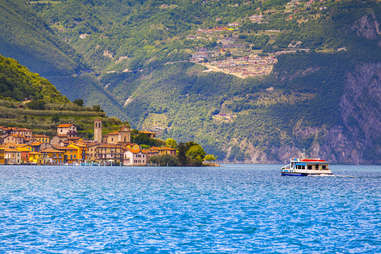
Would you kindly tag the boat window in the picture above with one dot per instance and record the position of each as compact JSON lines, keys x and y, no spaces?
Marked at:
{"x":303,"y":167}
{"x":316,"y":166}
{"x":309,"y":166}
{"x":324,"y":166}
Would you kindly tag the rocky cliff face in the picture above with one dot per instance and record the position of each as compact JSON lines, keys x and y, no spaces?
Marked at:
{"x":367,"y":27}
{"x":361,"y":111}
{"x":356,"y":138}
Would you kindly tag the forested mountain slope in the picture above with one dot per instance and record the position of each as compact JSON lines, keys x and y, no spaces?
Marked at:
{"x":17,"y":83}
{"x":254,"y":81}
{"x":30,"y":101}
{"x":27,"y":38}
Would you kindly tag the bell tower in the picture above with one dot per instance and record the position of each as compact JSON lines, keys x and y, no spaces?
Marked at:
{"x":98,"y":131}
{"x":125,"y":135}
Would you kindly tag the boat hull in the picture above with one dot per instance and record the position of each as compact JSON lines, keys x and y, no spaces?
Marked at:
{"x":305,"y":174}
{"x":289,"y":172}
{"x":293,"y":174}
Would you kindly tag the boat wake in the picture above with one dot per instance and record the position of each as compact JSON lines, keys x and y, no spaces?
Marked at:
{"x":341,"y":176}
{"x":346,"y":176}
{"x":322,"y":175}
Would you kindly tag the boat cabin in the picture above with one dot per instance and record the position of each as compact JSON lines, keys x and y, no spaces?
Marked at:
{"x":309,"y":164}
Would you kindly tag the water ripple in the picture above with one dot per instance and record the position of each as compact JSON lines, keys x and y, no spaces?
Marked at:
{"x":235,"y":208}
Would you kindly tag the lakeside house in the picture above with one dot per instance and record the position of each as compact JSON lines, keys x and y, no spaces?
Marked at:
{"x":109,"y":154}
{"x":134,"y":156}
{"x":12,"y":156}
{"x":53,"y":156}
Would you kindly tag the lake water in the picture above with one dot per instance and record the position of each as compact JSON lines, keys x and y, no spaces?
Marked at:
{"x":233,"y":208}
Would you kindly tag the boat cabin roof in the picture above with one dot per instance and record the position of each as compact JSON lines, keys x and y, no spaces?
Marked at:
{"x":308,"y":161}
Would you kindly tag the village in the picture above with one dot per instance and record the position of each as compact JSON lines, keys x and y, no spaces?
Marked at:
{"x":229,"y":49}
{"x":231,"y":55}
{"x":19,"y":146}
{"x":244,"y":67}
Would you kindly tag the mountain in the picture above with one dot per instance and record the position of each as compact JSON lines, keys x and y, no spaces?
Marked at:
{"x":31,"y":101}
{"x":254,"y":81}
{"x":27,"y":38}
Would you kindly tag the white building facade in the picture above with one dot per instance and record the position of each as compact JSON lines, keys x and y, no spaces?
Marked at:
{"x":132,"y":158}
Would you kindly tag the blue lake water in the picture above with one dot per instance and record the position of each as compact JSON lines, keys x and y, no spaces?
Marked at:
{"x":233,"y":208}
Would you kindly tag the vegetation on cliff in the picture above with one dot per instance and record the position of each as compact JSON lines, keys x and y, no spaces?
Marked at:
{"x":30,"y":101}
{"x":141,"y":53}
{"x":29,"y":39}
{"x":18,"y":83}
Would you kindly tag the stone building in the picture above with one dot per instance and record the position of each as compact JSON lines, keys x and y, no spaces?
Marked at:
{"x":109,"y":154}
{"x":123,"y":136}
{"x":66,"y":129}
{"x":98,"y":131}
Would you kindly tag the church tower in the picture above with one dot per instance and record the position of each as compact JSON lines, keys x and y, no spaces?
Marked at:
{"x":125,"y":135}
{"x":98,"y":131}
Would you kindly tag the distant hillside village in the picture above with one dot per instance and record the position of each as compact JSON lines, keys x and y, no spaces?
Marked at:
{"x":20,"y":146}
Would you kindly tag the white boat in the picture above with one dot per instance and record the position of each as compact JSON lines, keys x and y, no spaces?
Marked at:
{"x":306,"y":167}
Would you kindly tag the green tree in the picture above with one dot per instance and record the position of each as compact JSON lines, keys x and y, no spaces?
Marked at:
{"x":196,"y":152}
{"x":55,"y":118}
{"x":79,"y":102}
{"x":36,"y":104}
{"x":210,"y":157}
{"x":170,"y":142}
{"x":181,"y":153}
{"x":144,"y":139}
{"x":97,"y":108}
